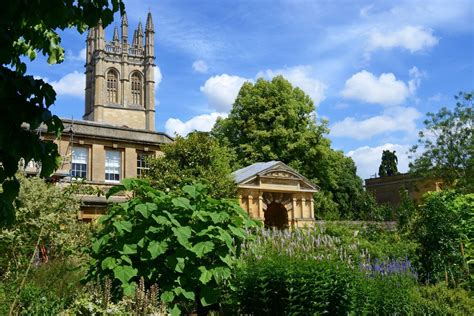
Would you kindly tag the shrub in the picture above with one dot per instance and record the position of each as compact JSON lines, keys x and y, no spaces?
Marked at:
{"x":443,"y":228}
{"x":185,"y":244}
{"x":441,"y":300}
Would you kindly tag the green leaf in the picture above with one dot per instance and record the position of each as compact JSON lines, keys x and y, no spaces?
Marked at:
{"x":157,"y":248}
{"x":97,"y":245}
{"x":190,"y":190}
{"x":129,"y":289}
{"x":182,"y":235}
{"x":175,"y":311}
{"x":123,"y":226}
{"x":221,"y":273}
{"x":188,"y":294}
{"x":129,"y":249}
{"x":167,"y":296}
{"x":151,"y":207}
{"x":202,"y":248}
{"x":227,"y":260}
{"x":160,"y":219}
{"x":206,"y":275}
{"x":209,"y":295}
{"x":181,"y":202}
{"x":142,"y":209}
{"x":108,"y":263}
{"x":179,"y":265}
{"x":125,"y":273}
{"x":114,"y":190}
{"x":237,"y":231}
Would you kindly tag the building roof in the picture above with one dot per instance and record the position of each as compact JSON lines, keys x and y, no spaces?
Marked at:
{"x":249,"y":171}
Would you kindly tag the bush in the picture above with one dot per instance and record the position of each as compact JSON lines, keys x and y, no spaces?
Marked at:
{"x":282,"y":286}
{"x":185,"y":244}
{"x":443,"y":228}
{"x":440,"y":300}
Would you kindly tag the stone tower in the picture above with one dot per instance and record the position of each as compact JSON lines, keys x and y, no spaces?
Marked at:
{"x":120,"y":86}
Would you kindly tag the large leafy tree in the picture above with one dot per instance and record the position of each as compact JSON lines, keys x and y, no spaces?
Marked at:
{"x":271,"y":120}
{"x":26,"y":29}
{"x":196,"y":157}
{"x":447,"y":146}
{"x":388,"y":165}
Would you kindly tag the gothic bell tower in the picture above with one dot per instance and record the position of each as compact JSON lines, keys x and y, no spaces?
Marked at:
{"x":120,"y":86}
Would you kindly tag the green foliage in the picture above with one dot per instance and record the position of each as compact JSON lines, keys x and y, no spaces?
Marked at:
{"x":440,"y":300}
{"x":447,"y":145}
{"x":26,"y":29}
{"x":443,"y":227}
{"x":185,"y":243}
{"x":196,"y":157}
{"x":271,"y":120}
{"x":282,"y":286}
{"x":388,"y":165}
{"x":41,"y":207}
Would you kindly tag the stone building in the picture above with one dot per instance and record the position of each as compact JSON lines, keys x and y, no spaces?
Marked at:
{"x":276,"y":194}
{"x":387,"y":190}
{"x":118,"y":130}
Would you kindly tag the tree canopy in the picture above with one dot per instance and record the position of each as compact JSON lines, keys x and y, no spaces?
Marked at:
{"x":271,"y":120}
{"x":388,"y":165}
{"x":196,"y":157}
{"x":446,"y":145}
{"x":26,"y":29}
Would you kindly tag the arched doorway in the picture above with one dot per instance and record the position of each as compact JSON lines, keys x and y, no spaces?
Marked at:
{"x":276,"y":216}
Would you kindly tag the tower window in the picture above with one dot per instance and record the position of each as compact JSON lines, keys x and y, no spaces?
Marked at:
{"x":112,"y":86}
{"x":136,"y":89}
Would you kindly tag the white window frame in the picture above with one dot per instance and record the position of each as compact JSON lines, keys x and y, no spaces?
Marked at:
{"x":80,"y":158}
{"x":113,"y":166}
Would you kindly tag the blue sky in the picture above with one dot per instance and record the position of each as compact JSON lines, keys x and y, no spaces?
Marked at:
{"x":372,"y":68}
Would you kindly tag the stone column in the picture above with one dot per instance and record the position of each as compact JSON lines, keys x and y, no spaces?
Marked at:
{"x":130,"y":163}
{"x":98,"y":166}
{"x":303,"y":213}
{"x":311,"y":210}
{"x":293,"y":212}
{"x":249,"y":206}
{"x":260,"y":206}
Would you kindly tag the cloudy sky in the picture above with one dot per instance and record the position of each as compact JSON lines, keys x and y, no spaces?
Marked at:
{"x":372,"y":68}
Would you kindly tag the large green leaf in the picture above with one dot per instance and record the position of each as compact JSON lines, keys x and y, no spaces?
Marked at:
{"x":129,"y":249}
{"x":160,"y":219}
{"x":206,"y":275}
{"x":142,"y":209}
{"x":167,"y":296}
{"x":114,"y":190}
{"x":129,"y":289}
{"x":109,"y":263}
{"x":202,"y":248}
{"x":181,"y":202}
{"x":125,"y":273}
{"x":175,"y":311}
{"x":157,"y":248}
{"x":99,"y":243}
{"x":190,"y":190}
{"x":188,"y":294}
{"x":182,"y":235}
{"x":237,"y":231}
{"x":123,"y":226}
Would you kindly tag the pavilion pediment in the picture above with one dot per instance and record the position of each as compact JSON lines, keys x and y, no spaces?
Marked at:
{"x":273,"y":175}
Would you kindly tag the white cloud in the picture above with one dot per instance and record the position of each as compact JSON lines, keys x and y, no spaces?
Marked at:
{"x":415,"y":80}
{"x":398,"y":119}
{"x":157,"y":76}
{"x":411,"y":38}
{"x":72,"y":84}
{"x":203,"y":122}
{"x":80,"y":56}
{"x":385,"y":90}
{"x":200,"y":66}
{"x":302,"y":77}
{"x":367,"y":159}
{"x":222,"y":90}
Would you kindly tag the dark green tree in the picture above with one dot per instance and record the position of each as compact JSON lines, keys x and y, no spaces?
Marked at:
{"x":447,"y":145}
{"x":271,"y":120}
{"x":196,"y":157}
{"x":388,"y":166}
{"x":28,"y":28}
